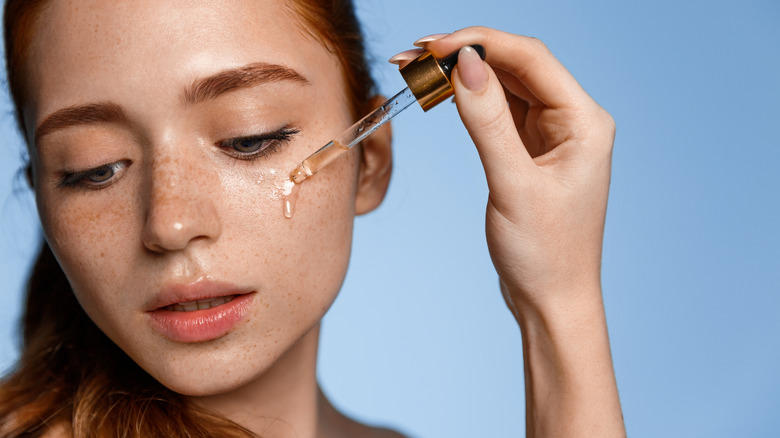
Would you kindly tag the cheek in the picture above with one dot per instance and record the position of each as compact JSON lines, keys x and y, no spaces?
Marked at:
{"x":311,"y":249}
{"x":325,"y":213}
{"x":89,"y":237}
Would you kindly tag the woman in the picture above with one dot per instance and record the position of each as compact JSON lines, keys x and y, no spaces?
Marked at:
{"x":161,"y":137}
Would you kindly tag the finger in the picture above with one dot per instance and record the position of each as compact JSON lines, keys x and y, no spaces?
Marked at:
{"x":427,"y":39}
{"x":523,"y":112}
{"x":527,"y":59}
{"x":515,"y":87}
{"x":405,"y":56}
{"x":483,"y":108}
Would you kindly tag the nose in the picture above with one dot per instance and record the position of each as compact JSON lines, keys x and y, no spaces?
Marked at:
{"x":180,"y":207}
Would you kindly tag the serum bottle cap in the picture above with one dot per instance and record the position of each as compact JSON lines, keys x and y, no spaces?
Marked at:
{"x":429,"y":78}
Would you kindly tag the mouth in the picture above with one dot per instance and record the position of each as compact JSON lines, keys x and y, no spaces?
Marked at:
{"x":191,"y":306}
{"x":199,"y":311}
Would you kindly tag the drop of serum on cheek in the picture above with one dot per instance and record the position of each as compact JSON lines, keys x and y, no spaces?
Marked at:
{"x":289,"y":198}
{"x":308,"y":167}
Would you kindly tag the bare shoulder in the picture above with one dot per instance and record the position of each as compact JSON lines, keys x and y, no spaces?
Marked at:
{"x":335,"y":424}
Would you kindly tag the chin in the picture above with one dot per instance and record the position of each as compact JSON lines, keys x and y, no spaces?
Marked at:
{"x":203,"y":387}
{"x":208,"y":377}
{"x":222,"y":365}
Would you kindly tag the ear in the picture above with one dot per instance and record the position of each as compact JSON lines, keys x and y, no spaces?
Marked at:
{"x":376,"y":165}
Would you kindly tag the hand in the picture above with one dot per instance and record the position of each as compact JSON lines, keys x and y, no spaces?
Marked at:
{"x":547,"y":158}
{"x":546,"y":148}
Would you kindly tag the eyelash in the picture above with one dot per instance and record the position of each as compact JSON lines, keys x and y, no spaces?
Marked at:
{"x":270,"y":142}
{"x":80,"y":179}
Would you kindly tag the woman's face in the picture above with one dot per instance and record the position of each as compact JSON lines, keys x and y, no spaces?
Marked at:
{"x":163,"y":133}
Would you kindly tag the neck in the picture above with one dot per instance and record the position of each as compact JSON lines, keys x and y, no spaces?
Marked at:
{"x":284,"y":402}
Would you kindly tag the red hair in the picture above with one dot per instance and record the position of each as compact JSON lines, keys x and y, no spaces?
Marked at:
{"x":69,"y":372}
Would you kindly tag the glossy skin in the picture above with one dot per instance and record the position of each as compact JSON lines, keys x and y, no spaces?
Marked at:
{"x":182,"y":207}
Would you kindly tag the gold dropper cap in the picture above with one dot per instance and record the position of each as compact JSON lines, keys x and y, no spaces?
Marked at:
{"x":428,"y":78}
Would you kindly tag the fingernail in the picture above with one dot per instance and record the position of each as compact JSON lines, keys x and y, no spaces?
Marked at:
{"x":427,"y":39}
{"x":471,"y":69}
{"x":406,"y":55}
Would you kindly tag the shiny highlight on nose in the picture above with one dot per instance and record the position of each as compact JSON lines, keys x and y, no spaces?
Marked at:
{"x":178,"y":208}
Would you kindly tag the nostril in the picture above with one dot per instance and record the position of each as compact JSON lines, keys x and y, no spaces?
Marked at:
{"x":173,"y":227}
{"x":160,"y":236}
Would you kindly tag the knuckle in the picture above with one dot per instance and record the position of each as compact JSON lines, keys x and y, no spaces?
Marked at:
{"x":536,"y":44}
{"x":607,"y":122}
{"x":603,"y":126}
{"x":479,"y":30}
{"x":490,"y":122}
{"x":474,"y":34}
{"x":492,"y":119}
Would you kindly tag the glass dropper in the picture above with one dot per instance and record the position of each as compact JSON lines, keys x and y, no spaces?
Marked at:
{"x":353,"y":135}
{"x":428,"y":80}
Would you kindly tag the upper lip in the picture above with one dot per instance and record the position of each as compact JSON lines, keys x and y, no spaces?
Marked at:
{"x":200,"y":289}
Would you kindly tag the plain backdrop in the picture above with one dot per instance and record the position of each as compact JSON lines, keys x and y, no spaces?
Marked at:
{"x":420,"y":338}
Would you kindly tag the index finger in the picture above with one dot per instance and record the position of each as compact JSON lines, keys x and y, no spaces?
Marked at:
{"x":527,"y":59}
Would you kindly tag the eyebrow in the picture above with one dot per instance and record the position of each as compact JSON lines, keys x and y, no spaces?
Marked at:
{"x":199,"y":91}
{"x":101,"y":112}
{"x":247,"y":76}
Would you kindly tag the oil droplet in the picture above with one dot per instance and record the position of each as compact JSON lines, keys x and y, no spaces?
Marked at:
{"x":308,"y":167}
{"x":289,"y":198}
{"x":300,"y":174}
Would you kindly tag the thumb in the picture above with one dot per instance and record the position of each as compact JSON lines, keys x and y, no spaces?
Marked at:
{"x":484,"y":111}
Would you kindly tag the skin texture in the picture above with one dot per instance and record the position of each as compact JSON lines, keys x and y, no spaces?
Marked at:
{"x":181,"y":208}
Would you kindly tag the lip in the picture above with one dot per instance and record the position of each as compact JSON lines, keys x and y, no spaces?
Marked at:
{"x":198,"y":325}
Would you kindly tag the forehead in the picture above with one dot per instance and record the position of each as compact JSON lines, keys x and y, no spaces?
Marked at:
{"x":99,"y":50}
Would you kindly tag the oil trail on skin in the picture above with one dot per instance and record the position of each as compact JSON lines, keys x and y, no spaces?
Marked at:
{"x":289,"y":197}
{"x":326,"y":155}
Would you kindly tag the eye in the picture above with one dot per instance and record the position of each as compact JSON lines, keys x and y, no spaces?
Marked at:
{"x":256,"y":146}
{"x":96,"y":178}
{"x":101,"y":175}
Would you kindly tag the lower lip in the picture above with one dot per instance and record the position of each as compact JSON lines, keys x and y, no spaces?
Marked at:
{"x":201,"y":325}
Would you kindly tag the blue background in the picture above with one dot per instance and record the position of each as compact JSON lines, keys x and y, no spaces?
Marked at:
{"x":420,"y":338}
